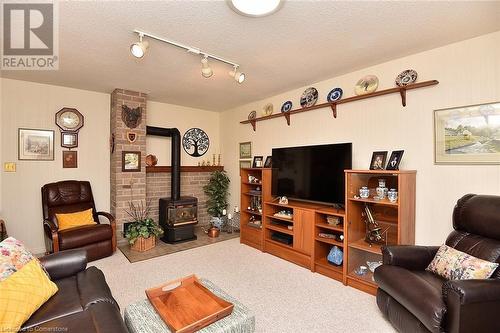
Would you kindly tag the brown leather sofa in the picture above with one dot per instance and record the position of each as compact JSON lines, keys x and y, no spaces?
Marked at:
{"x":73,"y":196}
{"x":415,"y":300}
{"x":83,"y":302}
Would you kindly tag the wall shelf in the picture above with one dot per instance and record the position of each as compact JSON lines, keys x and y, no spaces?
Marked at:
{"x":333,"y":105}
{"x":186,"y":168}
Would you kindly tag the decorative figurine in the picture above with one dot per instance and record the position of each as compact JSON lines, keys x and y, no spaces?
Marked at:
{"x":283,"y":200}
{"x":374,"y":233}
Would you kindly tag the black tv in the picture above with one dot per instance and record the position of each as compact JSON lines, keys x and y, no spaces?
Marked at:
{"x":312,"y":173}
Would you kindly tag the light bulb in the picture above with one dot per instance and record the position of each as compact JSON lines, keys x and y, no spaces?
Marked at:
{"x":206,"y":71}
{"x":139,"y":48}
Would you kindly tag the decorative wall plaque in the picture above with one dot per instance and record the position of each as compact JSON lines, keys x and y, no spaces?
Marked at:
{"x":131,"y":117}
{"x":195,"y":142}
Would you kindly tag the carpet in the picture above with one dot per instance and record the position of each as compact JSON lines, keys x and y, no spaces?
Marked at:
{"x":284,"y":297}
{"x":163,"y":248}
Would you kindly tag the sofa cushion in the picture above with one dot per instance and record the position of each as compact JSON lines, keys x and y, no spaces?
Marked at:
{"x":421,"y":294}
{"x":457,"y":265}
{"x":76,"y":294}
{"x":100,"y":317}
{"x":80,"y":236}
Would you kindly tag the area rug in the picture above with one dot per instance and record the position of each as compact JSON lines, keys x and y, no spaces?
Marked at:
{"x":163,"y":248}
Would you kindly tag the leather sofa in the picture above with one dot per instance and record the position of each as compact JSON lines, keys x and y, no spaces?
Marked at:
{"x":415,"y":300}
{"x":83,"y":302}
{"x":73,"y":196}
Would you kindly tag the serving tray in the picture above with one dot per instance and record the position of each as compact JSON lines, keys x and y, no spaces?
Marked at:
{"x":186,"y":306}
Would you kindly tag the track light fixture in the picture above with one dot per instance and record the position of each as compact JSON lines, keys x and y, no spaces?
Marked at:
{"x":206,"y":71}
{"x":139,"y":49}
{"x":238,"y":76}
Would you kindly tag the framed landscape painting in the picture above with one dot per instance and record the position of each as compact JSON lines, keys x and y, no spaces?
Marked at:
{"x":35,"y":144}
{"x":467,"y":134}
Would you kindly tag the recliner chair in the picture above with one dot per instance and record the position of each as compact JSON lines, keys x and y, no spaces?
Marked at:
{"x":415,"y":300}
{"x":73,"y":196}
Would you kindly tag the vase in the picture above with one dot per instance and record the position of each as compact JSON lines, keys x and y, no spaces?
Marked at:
{"x":392,"y":195}
{"x":381,"y":189}
{"x":364,"y":192}
{"x":144,"y":244}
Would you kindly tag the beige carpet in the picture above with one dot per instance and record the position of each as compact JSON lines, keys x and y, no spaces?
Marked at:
{"x":283,"y":296}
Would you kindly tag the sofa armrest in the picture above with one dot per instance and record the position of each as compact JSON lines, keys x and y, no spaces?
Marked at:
{"x":65,"y":263}
{"x":472,"y":305}
{"x":412,"y":257}
{"x":112,"y":223}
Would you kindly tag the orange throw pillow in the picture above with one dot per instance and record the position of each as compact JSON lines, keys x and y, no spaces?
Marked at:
{"x":71,"y":220}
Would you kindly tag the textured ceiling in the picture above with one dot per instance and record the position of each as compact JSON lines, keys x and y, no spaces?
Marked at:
{"x":304,"y":42}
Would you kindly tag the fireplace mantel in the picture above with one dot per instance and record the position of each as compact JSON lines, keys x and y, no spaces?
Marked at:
{"x":186,"y":168}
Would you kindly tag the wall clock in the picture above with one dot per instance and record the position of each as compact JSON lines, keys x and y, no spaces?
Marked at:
{"x":69,"y":119}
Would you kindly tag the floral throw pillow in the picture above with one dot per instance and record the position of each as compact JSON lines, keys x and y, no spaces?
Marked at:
{"x":456,"y":265}
{"x":13,"y":256}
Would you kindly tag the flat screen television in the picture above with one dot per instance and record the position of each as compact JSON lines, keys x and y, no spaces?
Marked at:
{"x":312,"y":173}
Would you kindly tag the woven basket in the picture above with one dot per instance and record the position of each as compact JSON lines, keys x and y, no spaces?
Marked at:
{"x":144,"y":244}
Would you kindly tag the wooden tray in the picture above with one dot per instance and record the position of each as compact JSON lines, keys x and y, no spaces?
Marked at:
{"x":186,"y":306}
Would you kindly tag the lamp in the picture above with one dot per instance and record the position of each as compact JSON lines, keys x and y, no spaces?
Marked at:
{"x":139,"y":48}
{"x":255,"y":8}
{"x":238,"y":76}
{"x":206,"y":71}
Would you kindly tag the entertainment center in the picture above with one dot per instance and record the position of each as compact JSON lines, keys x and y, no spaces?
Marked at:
{"x":304,"y":232}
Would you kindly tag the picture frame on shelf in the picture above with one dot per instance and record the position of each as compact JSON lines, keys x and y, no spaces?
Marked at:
{"x":69,"y":139}
{"x":245,"y":164}
{"x":258,"y":162}
{"x":395,"y":160}
{"x":35,"y":144}
{"x":378,"y":160}
{"x":269,"y":162}
{"x":70,"y":159}
{"x":131,"y":161}
{"x":245,"y":150}
{"x":467,"y":134}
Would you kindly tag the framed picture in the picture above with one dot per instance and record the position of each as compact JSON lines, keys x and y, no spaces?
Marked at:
{"x":258,"y":162}
{"x":69,"y":139}
{"x":245,"y":164}
{"x":467,"y":134}
{"x":394,"y":160}
{"x":131,"y":161}
{"x":35,"y":144}
{"x":378,"y":160}
{"x":269,"y":162}
{"x":70,"y":159}
{"x":246,"y":149}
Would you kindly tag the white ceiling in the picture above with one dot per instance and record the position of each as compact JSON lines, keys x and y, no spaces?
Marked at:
{"x":304,"y":42}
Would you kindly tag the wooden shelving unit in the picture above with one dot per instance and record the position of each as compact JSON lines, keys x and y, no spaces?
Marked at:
{"x":251,"y":235}
{"x":333,"y":105}
{"x":322,"y":246}
{"x":398,"y":218}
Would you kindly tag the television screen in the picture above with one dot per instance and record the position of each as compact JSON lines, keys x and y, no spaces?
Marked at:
{"x":312,"y":173}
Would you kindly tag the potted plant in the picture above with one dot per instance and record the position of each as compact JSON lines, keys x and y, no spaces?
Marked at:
{"x":142,"y":232}
{"x":217,"y":192}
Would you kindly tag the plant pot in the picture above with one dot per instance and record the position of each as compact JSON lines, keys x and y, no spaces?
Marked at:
{"x":144,"y":244}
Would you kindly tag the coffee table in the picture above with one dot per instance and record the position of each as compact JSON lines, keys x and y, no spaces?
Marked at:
{"x":141,"y":317}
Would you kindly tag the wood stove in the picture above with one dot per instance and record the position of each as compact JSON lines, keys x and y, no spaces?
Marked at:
{"x":178,"y":215}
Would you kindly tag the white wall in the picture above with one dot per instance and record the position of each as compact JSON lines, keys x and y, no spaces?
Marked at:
{"x":183,"y":118}
{"x":33,"y":105}
{"x":469,"y":73}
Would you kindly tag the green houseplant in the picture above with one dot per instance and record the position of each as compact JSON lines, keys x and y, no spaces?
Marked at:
{"x":217,"y":192}
{"x":142,"y":232}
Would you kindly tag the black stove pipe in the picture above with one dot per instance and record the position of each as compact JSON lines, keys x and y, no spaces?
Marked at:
{"x":176,"y":156}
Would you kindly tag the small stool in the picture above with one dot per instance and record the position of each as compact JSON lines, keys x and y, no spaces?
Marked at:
{"x":141,"y":317}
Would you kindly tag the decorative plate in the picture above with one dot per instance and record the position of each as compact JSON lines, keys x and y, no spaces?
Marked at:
{"x":252,"y":115}
{"x":334,"y":95}
{"x":309,"y":97}
{"x":287,"y":106}
{"x":268,"y":109}
{"x":366,"y":85}
{"x":406,"y":77}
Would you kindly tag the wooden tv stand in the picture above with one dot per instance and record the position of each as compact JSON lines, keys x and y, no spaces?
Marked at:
{"x":297,"y":239}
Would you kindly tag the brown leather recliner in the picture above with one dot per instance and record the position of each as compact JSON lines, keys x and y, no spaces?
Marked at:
{"x":415,"y":300}
{"x":73,"y":196}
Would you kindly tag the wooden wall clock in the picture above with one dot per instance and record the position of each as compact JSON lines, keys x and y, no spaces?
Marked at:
{"x":69,"y":120}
